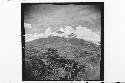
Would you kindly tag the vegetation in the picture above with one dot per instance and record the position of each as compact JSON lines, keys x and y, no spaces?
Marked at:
{"x":58,"y":58}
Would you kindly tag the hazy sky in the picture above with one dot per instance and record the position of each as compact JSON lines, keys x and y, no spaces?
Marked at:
{"x":42,"y":16}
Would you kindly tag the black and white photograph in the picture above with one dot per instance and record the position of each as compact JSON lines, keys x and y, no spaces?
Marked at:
{"x":62,"y":41}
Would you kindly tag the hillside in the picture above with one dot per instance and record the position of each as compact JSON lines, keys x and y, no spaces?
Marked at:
{"x":59,"y":58}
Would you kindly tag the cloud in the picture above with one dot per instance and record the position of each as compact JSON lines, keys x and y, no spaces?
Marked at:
{"x":26,"y":25}
{"x":48,"y":32}
{"x":87,"y":34}
{"x":80,"y":33}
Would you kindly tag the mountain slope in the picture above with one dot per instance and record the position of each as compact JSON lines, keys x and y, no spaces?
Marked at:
{"x":58,"y":58}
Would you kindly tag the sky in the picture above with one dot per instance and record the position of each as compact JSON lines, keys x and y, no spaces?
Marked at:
{"x":42,"y":16}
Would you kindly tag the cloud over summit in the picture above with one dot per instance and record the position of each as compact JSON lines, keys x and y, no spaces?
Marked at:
{"x":80,"y":33}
